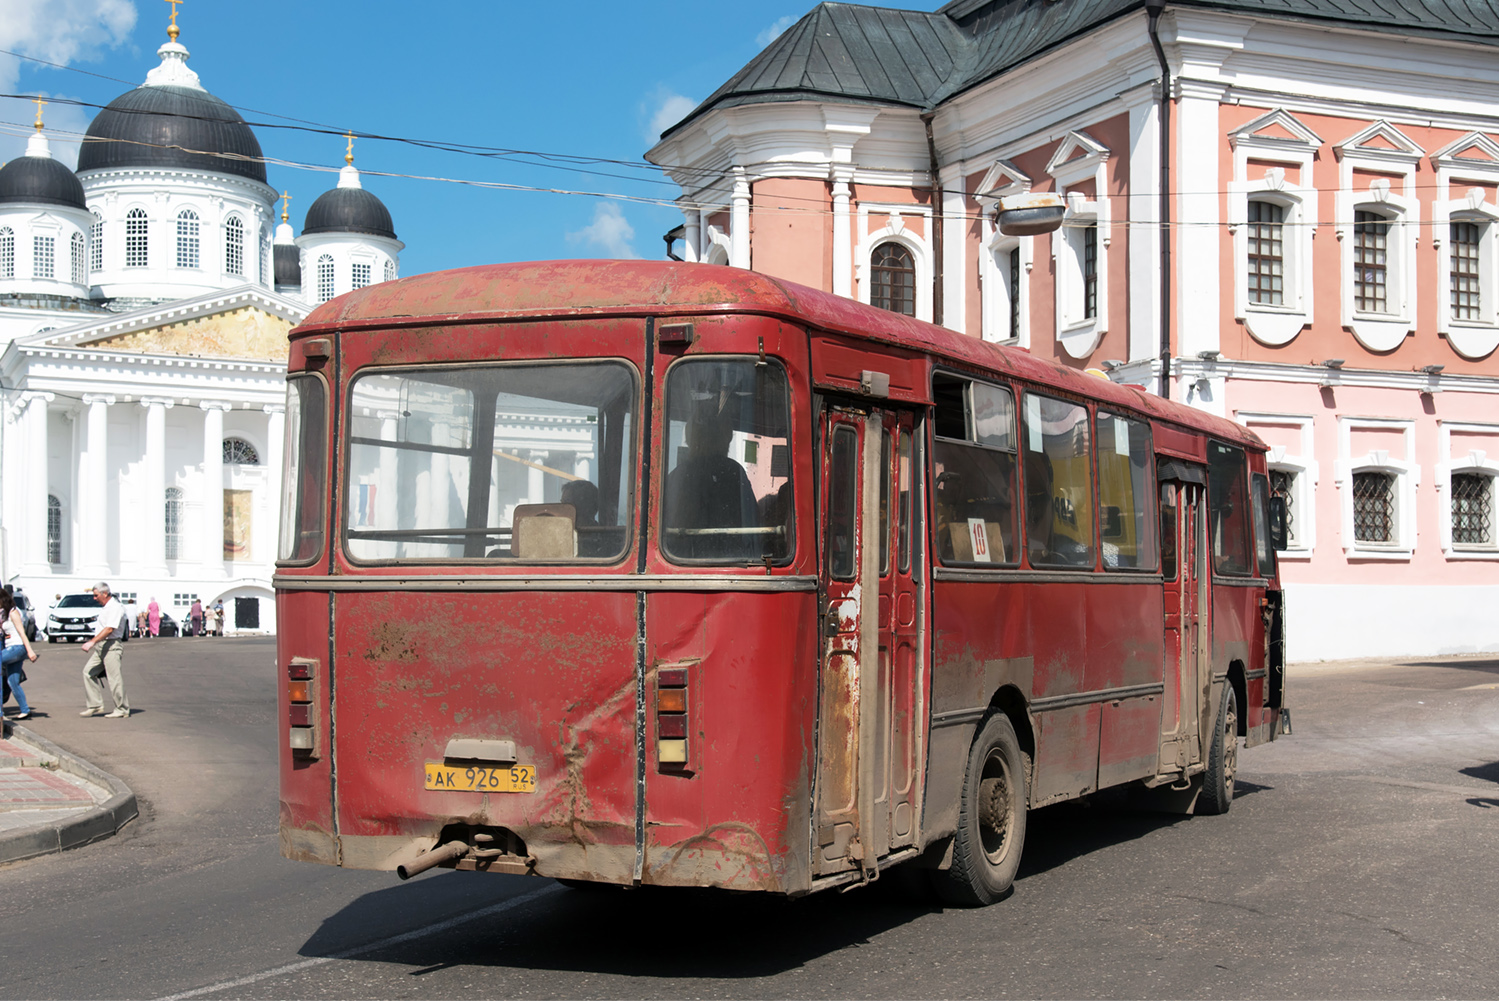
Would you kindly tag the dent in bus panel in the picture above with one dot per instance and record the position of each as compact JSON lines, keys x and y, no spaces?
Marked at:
{"x":1058,"y":483}
{"x":526,"y":462}
{"x":726,"y":431}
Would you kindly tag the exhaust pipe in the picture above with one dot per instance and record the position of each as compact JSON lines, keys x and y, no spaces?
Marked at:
{"x":442,"y":853}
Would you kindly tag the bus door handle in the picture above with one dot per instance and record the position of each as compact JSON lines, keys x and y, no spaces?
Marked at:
{"x":830,"y":623}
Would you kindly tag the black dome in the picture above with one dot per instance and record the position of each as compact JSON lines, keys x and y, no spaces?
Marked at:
{"x":159,"y":125}
{"x":349,"y":210}
{"x":40,"y":179}
{"x":288,"y":264}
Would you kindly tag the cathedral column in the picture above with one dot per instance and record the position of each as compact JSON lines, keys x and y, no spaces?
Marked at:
{"x":275,"y":434}
{"x":34,"y":555}
{"x":93,"y":502}
{"x":739,"y":221}
{"x":843,"y":245}
{"x":153,"y":490}
{"x":693,"y":243}
{"x":212,"y":553}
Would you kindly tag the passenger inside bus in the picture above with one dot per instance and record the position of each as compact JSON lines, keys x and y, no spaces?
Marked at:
{"x":709,"y":500}
{"x":975,"y":486}
{"x":1046,"y":545}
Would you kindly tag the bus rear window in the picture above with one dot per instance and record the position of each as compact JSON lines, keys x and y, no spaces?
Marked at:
{"x":728,"y":462}
{"x":303,"y":473}
{"x":530,"y":463}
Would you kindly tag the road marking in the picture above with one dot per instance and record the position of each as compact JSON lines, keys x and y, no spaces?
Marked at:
{"x":361,"y":950}
{"x":1433,"y":786}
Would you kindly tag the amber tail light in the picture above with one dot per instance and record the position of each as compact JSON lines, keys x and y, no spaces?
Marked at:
{"x":299,"y":677}
{"x":671,"y":717}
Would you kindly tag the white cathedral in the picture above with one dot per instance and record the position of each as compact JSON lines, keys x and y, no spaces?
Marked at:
{"x":144,"y":306}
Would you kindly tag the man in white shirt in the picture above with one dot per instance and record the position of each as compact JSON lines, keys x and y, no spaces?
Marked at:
{"x":106,"y":655}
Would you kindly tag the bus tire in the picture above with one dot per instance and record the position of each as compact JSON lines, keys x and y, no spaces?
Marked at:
{"x":991,"y":820}
{"x":1223,"y":757}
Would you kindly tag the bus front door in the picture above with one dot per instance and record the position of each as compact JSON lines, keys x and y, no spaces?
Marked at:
{"x":1187,"y":630}
{"x":868,"y":733}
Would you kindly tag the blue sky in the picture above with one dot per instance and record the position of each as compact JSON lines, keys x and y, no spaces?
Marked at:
{"x":586,"y":79}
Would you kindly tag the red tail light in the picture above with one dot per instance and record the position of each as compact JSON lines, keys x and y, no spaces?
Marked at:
{"x":299,"y":710}
{"x":671,"y":717}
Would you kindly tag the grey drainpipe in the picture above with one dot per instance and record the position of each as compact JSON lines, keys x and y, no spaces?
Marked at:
{"x":931,"y":150}
{"x":1154,"y":9}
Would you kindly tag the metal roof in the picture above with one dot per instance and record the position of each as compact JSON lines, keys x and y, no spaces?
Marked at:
{"x":877,"y":55}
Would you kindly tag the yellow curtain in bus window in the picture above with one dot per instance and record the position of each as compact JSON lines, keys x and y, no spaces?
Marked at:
{"x":237,"y":523}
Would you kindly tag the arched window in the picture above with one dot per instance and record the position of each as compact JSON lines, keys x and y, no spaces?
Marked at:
{"x":79,"y":274}
{"x":54,"y":530}
{"x":7,"y":253}
{"x":43,"y":257}
{"x":96,"y":244}
{"x":234,"y":246}
{"x":173,"y":522}
{"x":240,"y":451}
{"x":892,"y":279}
{"x":135,"y":239}
{"x":187,"y":239}
{"x":266,"y":278}
{"x":324,"y":278}
{"x":362,"y":275}
{"x":390,"y":270}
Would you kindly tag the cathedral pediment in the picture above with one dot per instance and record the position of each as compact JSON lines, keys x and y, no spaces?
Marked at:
{"x":247,"y":332}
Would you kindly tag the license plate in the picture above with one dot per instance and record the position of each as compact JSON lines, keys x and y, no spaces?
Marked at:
{"x":481,"y":778}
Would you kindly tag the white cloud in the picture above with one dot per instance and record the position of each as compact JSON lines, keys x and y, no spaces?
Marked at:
{"x":610,"y":232}
{"x":669,"y":109}
{"x":59,"y":31}
{"x":773,"y":32}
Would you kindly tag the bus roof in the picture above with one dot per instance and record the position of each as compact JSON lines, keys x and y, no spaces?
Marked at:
{"x":556,"y":289}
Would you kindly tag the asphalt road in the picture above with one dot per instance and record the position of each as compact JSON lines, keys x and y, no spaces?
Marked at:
{"x":1358,"y":861}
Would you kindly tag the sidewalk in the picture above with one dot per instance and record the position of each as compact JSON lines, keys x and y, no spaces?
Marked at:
{"x":51,"y":800}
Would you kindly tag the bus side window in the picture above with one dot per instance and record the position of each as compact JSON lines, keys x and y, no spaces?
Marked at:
{"x":974,"y":475}
{"x":1124,"y":474}
{"x":1058,"y":483}
{"x":1228,"y":509}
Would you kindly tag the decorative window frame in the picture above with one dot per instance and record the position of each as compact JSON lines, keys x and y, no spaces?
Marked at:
{"x":193,"y":241}
{"x":1407,"y":479}
{"x":244,"y":243}
{"x":1476,"y":461}
{"x":1303,"y":463}
{"x":1380,"y":331}
{"x":144,"y":236}
{"x":1472,"y":339}
{"x":895,"y":231}
{"x":718,"y":247}
{"x":996,"y":297}
{"x":1268,"y":324}
{"x":1078,"y":158}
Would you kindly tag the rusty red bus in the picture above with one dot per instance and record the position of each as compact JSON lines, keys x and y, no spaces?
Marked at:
{"x":676,"y":574}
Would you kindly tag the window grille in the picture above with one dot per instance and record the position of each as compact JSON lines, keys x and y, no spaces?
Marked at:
{"x":1466,"y":300}
{"x":1014,"y":291}
{"x":7,"y":253}
{"x":54,"y":530}
{"x":1472,"y":509}
{"x":238,"y":450}
{"x":892,"y":279}
{"x":1267,"y":256}
{"x":1371,"y":245}
{"x":96,"y":244}
{"x":362,"y":275}
{"x":135,"y":239}
{"x":75,"y":244}
{"x":1090,"y":272}
{"x":173,"y":522}
{"x":1283,"y":485}
{"x":42,"y":262}
{"x":324,"y":278}
{"x":390,"y":270}
{"x":266,"y":277}
{"x":187,"y":239}
{"x":234,"y":246}
{"x":1374,"y":507}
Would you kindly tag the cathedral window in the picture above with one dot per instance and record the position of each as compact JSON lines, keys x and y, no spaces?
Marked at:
{"x":892,"y":273}
{"x":187,"y":239}
{"x":362,"y":275}
{"x":390,"y":270}
{"x":76,"y":243}
{"x":135,"y":238}
{"x":43,"y":249}
{"x":234,"y":246}
{"x":324,"y":278}
{"x":173,"y":524}
{"x":54,"y":530}
{"x":237,"y":450}
{"x":7,"y":253}
{"x":266,"y":278}
{"x":96,"y":244}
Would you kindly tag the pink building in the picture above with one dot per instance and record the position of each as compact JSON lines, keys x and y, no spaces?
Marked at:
{"x":1330,"y":275}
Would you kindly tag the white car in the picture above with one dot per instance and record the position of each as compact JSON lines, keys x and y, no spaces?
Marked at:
{"x":75,"y":617}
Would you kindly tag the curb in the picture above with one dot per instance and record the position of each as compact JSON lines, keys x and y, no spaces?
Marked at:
{"x":103,"y":821}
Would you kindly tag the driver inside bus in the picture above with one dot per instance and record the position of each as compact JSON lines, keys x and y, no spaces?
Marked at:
{"x":708,"y":490}
{"x":1046,"y":545}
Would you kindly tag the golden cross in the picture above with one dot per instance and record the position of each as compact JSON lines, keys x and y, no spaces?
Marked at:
{"x":174,"y":4}
{"x":285,"y":200}
{"x":39,"y":102}
{"x":349,"y":153}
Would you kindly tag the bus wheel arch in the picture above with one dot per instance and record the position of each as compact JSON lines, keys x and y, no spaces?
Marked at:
{"x":991,"y":818}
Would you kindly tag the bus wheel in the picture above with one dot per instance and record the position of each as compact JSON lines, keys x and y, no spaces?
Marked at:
{"x":1223,"y":757}
{"x":991,"y":823}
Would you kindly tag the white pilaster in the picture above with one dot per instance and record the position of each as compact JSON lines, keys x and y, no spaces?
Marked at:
{"x":954,"y":249}
{"x":153,"y":489}
{"x":1144,"y":208}
{"x":34,"y":486}
{"x":692,"y":245}
{"x":275,"y":433}
{"x":739,"y":221}
{"x":94,"y":502}
{"x":212,"y":552}
{"x":843,"y":234}
{"x":1197,"y":241}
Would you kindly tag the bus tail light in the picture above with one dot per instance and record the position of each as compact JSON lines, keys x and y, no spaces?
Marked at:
{"x":671,"y":717}
{"x":299,"y":675}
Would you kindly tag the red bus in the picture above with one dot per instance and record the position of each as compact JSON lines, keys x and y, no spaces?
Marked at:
{"x":675,"y":574}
